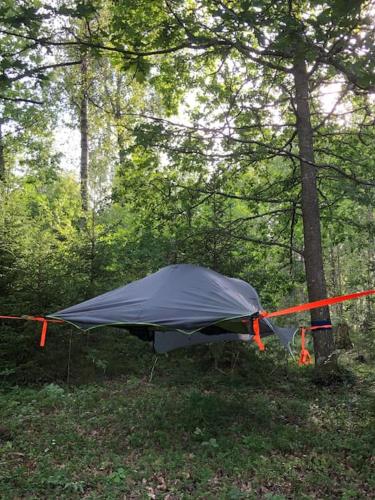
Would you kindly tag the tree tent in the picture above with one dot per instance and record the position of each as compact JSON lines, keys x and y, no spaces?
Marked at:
{"x":178,"y":306}
{"x":183,"y":305}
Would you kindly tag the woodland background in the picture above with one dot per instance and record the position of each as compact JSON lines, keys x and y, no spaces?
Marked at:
{"x":140,"y":133}
{"x":187,"y":152}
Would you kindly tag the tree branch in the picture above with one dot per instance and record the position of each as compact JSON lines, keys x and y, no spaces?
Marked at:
{"x":131,"y":53}
{"x":32,"y":71}
{"x":20,"y":99}
{"x":265,"y":242}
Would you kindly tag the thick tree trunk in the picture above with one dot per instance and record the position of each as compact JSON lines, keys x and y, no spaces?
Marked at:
{"x":2,"y":158}
{"x":316,"y":286}
{"x":84,"y":129}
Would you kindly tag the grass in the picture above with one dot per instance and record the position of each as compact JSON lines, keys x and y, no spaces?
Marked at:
{"x":262,"y":431}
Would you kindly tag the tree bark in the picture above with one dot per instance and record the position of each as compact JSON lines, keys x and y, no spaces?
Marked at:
{"x":316,"y":285}
{"x":2,"y":157}
{"x":84,"y":130}
{"x":118,"y":119}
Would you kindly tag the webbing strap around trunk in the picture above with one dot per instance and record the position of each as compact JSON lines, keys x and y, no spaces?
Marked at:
{"x":305,"y":358}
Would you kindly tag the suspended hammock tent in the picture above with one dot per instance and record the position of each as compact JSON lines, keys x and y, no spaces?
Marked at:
{"x":178,"y":306}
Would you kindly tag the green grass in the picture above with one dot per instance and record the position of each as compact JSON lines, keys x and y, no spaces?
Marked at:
{"x":262,"y":431}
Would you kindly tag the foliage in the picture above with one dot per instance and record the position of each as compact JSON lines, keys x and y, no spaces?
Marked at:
{"x":191,"y":433}
{"x":193,"y":153}
{"x":193,"y":157}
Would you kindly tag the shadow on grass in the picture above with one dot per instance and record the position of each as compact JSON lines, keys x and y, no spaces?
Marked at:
{"x":264,"y":422}
{"x":221,"y":421}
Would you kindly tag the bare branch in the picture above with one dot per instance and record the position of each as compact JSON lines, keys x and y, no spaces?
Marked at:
{"x":20,"y":99}
{"x":237,"y":196}
{"x":34,"y":71}
{"x":265,"y":242}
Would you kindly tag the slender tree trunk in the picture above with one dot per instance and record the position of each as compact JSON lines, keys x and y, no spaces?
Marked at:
{"x":316,"y":286}
{"x":370,"y":310}
{"x":92,"y":251}
{"x":340,"y":306}
{"x":2,"y":158}
{"x":118,"y":118}
{"x":84,"y":128}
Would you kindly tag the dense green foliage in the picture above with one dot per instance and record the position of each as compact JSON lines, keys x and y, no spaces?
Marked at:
{"x":193,"y":153}
{"x":193,"y":139}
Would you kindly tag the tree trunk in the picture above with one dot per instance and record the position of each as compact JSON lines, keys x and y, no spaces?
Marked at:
{"x":118,"y":119}
{"x":342,"y":337}
{"x":84,"y":129}
{"x":2,"y":158}
{"x":316,"y":286}
{"x":339,"y":291}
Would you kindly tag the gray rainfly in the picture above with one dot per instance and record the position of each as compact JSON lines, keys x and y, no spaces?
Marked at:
{"x":178,"y":306}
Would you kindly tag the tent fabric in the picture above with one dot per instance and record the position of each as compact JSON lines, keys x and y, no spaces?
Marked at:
{"x":182,"y":298}
{"x":171,"y":340}
{"x":165,"y":341}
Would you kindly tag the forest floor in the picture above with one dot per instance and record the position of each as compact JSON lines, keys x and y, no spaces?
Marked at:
{"x":264,"y":430}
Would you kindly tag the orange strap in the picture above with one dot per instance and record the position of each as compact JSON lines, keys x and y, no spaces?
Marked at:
{"x":42,"y":320}
{"x":44,"y":333}
{"x":256,"y":325}
{"x":256,"y":330}
{"x":305,"y":358}
{"x":316,"y":304}
{"x":304,"y":307}
{"x":33,"y":318}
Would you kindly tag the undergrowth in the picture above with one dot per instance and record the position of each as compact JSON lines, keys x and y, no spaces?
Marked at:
{"x":181,"y":426}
